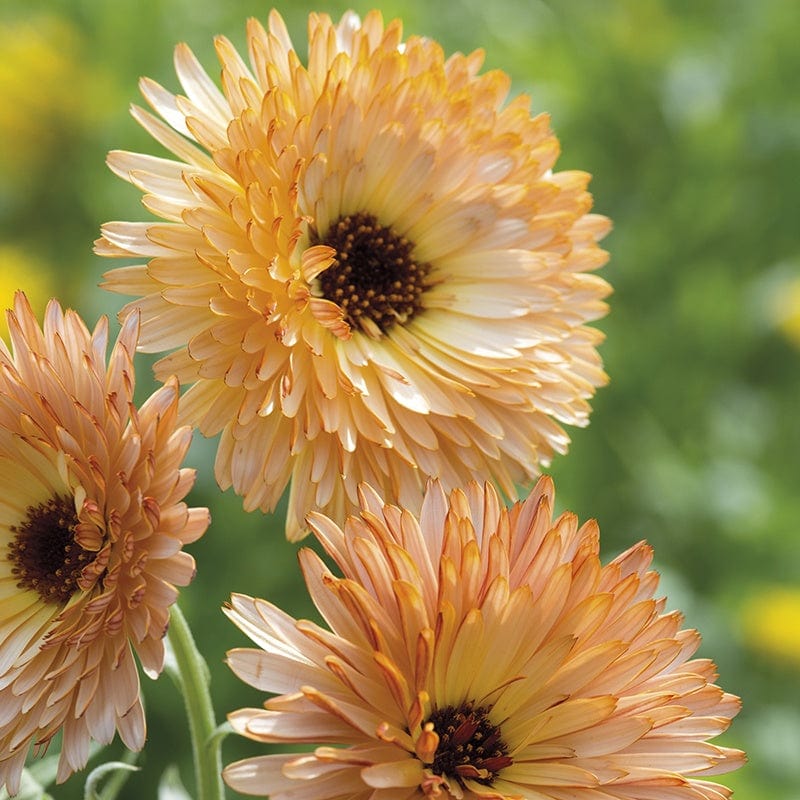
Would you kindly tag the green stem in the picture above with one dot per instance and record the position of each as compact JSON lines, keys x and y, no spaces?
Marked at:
{"x":190,"y":673}
{"x":119,"y":777}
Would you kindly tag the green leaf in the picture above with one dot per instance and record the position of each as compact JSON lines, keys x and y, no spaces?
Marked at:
{"x":170,"y":787}
{"x":91,"y":789}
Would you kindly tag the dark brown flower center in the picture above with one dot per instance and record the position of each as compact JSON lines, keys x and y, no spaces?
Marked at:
{"x":469,"y":745}
{"x":44,"y":553}
{"x":375,"y":275}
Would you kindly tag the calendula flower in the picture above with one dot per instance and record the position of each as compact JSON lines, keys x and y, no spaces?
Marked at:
{"x":367,"y":267}
{"x":478,"y":652}
{"x":92,"y":522}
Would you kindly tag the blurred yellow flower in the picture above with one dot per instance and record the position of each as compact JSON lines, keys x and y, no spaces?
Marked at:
{"x":771,"y":622}
{"x":19,"y":270}
{"x":787,"y":311}
{"x":40,"y":73}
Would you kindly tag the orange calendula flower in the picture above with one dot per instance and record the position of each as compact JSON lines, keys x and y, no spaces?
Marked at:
{"x":480,"y":652}
{"x":92,"y":525}
{"x":367,"y":268}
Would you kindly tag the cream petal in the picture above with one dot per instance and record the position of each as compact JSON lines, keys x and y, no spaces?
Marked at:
{"x":164,"y":103}
{"x":174,"y":142}
{"x":274,"y":726}
{"x":261,"y":775}
{"x":406,"y":773}
{"x":541,"y":774}
{"x":199,"y":88}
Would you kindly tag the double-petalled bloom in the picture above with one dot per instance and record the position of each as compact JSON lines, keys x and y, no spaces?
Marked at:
{"x":367,"y":268}
{"x":92,"y":525}
{"x":478,"y":652}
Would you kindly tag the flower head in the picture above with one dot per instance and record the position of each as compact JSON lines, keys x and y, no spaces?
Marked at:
{"x":367,"y":266}
{"x":478,"y":652}
{"x":92,"y":522}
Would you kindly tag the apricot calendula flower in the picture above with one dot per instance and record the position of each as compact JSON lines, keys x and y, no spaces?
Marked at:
{"x":478,"y":652}
{"x":92,"y":522}
{"x":368,"y":267}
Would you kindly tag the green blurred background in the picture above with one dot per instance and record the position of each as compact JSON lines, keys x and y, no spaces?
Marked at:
{"x":688,"y":115}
